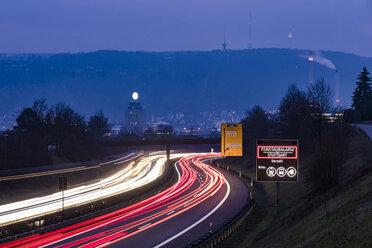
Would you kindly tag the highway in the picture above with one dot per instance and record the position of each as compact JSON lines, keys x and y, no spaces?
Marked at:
{"x":366,"y":128}
{"x":172,"y":218}
{"x":120,"y":160}
{"x":134,"y":175}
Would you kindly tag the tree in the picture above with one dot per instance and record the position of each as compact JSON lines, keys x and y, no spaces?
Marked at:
{"x":32,"y":120}
{"x":294,"y":113}
{"x":330,"y":139}
{"x":27,"y":121}
{"x":64,"y":122}
{"x":362,"y":95}
{"x":256,"y":124}
{"x":320,"y":97}
{"x":31,"y":132}
{"x":165,"y":130}
{"x":98,"y":124}
{"x":351,"y":116}
{"x":149,"y":132}
{"x":327,"y":164}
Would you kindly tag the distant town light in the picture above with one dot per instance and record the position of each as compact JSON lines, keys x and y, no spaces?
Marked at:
{"x":135,"y":96}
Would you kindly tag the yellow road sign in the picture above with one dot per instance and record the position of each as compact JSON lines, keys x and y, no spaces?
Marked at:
{"x":231,"y":139}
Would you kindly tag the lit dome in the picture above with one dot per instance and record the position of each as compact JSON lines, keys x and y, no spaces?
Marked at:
{"x":135,"y":95}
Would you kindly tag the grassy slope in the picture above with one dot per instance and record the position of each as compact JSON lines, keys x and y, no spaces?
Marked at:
{"x":340,"y":218}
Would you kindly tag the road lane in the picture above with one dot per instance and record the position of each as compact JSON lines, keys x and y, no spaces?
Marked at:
{"x":124,"y":159}
{"x":173,"y":218}
{"x":134,"y":175}
{"x":366,"y":128}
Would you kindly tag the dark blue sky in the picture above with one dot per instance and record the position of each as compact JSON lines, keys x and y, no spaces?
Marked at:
{"x":51,"y":26}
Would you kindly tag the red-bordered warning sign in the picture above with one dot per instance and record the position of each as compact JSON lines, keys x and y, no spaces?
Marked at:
{"x":277,"y":160}
{"x":277,"y":152}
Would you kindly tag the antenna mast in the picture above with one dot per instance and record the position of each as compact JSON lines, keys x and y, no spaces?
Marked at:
{"x":224,"y":44}
{"x":250,"y":31}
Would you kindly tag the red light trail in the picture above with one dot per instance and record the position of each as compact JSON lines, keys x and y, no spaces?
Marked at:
{"x":197,"y":182}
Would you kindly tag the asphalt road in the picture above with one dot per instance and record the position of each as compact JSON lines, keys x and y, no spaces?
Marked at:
{"x":134,"y":175}
{"x":173,"y":218}
{"x":366,"y":128}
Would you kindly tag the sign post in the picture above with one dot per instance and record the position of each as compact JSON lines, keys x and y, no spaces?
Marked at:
{"x":277,"y":161}
{"x":231,"y":139}
{"x":63,"y":187}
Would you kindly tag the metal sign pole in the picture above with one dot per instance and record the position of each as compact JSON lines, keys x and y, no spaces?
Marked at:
{"x":63,"y":186}
{"x":277,"y":193}
{"x":224,"y":141}
{"x":63,"y":200}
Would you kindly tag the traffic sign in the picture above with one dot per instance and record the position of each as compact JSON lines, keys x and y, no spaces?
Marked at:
{"x":277,"y":161}
{"x":231,"y":139}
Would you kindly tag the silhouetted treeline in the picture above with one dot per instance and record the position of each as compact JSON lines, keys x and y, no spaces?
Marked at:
{"x":42,"y":133}
{"x":301,"y":115}
{"x":362,"y":99}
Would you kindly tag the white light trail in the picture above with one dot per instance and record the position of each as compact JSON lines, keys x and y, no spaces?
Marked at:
{"x":133,"y":176}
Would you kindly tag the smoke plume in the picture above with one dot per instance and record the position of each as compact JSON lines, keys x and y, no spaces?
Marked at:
{"x":318,"y":57}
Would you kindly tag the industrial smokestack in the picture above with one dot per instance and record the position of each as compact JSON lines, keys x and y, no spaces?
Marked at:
{"x":311,"y":65}
{"x":337,"y":89}
{"x":318,"y":58}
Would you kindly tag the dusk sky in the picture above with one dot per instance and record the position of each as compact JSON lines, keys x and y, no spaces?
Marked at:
{"x":53,"y":26}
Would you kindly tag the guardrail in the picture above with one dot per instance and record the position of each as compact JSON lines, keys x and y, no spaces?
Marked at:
{"x":213,"y":238}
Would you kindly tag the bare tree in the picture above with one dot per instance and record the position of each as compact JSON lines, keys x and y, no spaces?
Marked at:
{"x":320,"y":97}
{"x":330,"y":138}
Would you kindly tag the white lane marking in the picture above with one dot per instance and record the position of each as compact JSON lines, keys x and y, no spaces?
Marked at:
{"x":171,"y":212}
{"x":199,"y":221}
{"x":104,"y":244}
{"x":117,"y":159}
{"x":144,"y":226}
{"x":104,"y":224}
{"x":129,"y":159}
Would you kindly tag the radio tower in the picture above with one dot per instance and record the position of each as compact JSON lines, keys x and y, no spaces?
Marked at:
{"x":250,"y":31}
{"x":290,"y":37}
{"x":224,"y":44}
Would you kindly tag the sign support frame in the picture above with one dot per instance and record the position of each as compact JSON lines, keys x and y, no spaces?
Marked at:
{"x":63,"y":187}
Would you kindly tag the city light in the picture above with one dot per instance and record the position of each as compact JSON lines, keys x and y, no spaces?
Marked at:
{"x":135,"y":96}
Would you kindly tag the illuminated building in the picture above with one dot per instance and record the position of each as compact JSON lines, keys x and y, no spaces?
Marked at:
{"x":332,"y":117}
{"x":135,"y":116}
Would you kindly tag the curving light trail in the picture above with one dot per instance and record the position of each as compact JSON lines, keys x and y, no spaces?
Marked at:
{"x":196,"y":183}
{"x":135,"y":175}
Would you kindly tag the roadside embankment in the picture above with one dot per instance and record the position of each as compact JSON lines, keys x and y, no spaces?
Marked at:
{"x":340,"y":217}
